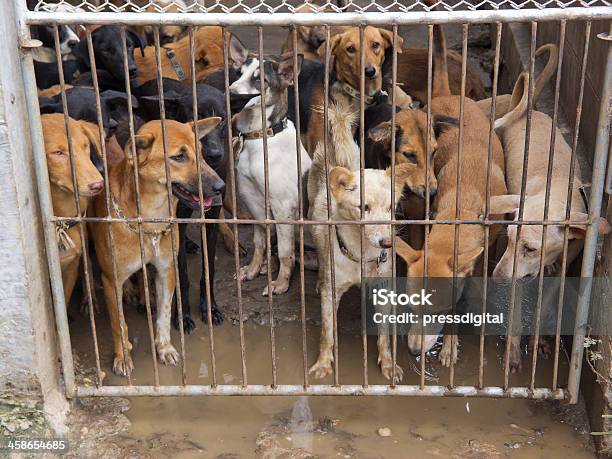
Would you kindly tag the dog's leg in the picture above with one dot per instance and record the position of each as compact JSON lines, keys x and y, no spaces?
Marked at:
{"x":515,"y":357}
{"x":212,"y":230}
{"x":70,"y":274}
{"x":122,"y":364}
{"x":385,"y":358}
{"x":448,"y":352}
{"x":189,"y":325}
{"x":251,"y":271}
{"x":165,"y":283}
{"x":285,"y":236}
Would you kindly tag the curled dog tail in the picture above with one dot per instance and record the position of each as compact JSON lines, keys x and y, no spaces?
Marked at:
{"x":520,"y":92}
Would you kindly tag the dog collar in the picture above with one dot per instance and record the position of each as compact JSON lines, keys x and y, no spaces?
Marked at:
{"x":64,"y":241}
{"x":175,"y":64}
{"x":348,"y":89}
{"x":270,"y":132}
{"x":381,"y":258}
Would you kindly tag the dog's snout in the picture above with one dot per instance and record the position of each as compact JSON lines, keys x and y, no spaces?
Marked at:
{"x":96,"y":187}
{"x":433,"y":192}
{"x":385,"y":242}
{"x":219,"y":186}
{"x":370,"y":71}
{"x":112,"y":127}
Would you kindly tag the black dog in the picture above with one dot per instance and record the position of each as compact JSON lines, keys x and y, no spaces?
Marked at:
{"x":178,"y":103}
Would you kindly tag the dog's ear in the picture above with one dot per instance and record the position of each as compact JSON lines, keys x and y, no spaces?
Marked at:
{"x":504,"y":204}
{"x":333,"y":44}
{"x":114,"y":97}
{"x":578,"y":231}
{"x":138,"y":40}
{"x":286,"y":69}
{"x":95,"y":148}
{"x":388,"y":39}
{"x":341,"y":180}
{"x":406,"y":252}
{"x":81,"y":53}
{"x":204,"y":126}
{"x":441,"y":123}
{"x":238,"y":53}
{"x":381,"y":133}
{"x":466,"y":261}
{"x":143,"y":143}
{"x":403,"y":172}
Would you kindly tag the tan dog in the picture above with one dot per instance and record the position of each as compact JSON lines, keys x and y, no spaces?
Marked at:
{"x":84,"y":136}
{"x":52,"y":91}
{"x":471,"y":238}
{"x":512,"y":129}
{"x":157,"y":238}
{"x":208,"y":57}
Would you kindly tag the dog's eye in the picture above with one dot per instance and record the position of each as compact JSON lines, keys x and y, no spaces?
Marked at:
{"x":411,"y":157}
{"x":351,"y":49}
{"x":529,"y":250}
{"x":58,"y":153}
{"x":375,"y":45}
{"x":181,"y":157}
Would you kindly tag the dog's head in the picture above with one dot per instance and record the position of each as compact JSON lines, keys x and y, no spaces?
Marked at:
{"x":167,"y":33}
{"x":208,"y":51}
{"x":182,"y":162}
{"x":86,"y":151}
{"x":108,"y":51}
{"x":346,"y":53}
{"x":529,"y":248}
{"x":411,"y":147}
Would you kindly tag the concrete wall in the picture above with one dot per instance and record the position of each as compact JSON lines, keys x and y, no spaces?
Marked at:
{"x":28,"y":356}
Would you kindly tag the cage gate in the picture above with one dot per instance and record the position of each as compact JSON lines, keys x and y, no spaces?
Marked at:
{"x":129,"y":14}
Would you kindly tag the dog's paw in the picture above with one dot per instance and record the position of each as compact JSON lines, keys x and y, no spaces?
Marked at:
{"x":386,"y":367}
{"x":544,"y":347}
{"x":167,"y":354}
{"x":123,"y":367}
{"x":515,"y":358}
{"x":447,"y":355}
{"x":189,"y":324}
{"x":216,"y":314}
{"x":247,"y":273}
{"x":84,"y":306}
{"x":279,"y":286}
{"x":191,"y":247}
{"x":321,"y":369}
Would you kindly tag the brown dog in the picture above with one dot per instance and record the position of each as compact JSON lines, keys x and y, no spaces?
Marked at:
{"x":208,"y":57}
{"x":157,"y":236}
{"x":471,"y":239}
{"x":84,"y":136}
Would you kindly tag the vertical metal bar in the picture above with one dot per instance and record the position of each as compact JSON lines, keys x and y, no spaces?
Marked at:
{"x":298,"y":143}
{"x":393,"y":146}
{"x":331,"y":229}
{"x":427,"y":196}
{"x":77,"y":202}
{"x":107,"y":195}
{"x":232,"y":172}
{"x":173,"y":228}
{"x":498,"y":34}
{"x":534,"y":28}
{"x":562,"y":26}
{"x":145,"y":274}
{"x":364,"y":334}
{"x":549,"y":173}
{"x":602,"y":140}
{"x":203,"y":235}
{"x":46,"y":206}
{"x":264,"y":139}
{"x":464,"y":37}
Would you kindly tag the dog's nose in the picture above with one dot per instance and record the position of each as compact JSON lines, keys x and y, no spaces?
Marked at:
{"x":219,"y":186}
{"x":385,"y":242}
{"x":370,"y":71}
{"x":96,"y":187}
{"x":317,"y":41}
{"x":72,"y":43}
{"x":112,"y":127}
{"x":433,"y":192}
{"x":133,"y":70}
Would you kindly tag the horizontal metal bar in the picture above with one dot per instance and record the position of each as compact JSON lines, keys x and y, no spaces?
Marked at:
{"x":243,"y":221}
{"x":351,"y":19}
{"x":345,"y":389}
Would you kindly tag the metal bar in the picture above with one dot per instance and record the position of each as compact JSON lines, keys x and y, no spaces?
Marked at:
{"x":331,"y":19}
{"x":232,"y":161}
{"x":203,"y":236}
{"x":519,"y":222}
{"x":171,"y":209}
{"x":590,"y":243}
{"x":485,"y":270}
{"x":364,"y":335}
{"x":107,"y":198}
{"x":324,"y":389}
{"x":145,"y":274}
{"x":393,"y":146}
{"x":264,"y":139}
{"x":298,"y":143}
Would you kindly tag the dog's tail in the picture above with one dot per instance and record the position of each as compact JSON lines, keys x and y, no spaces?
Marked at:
{"x":440,"y":85}
{"x":520,"y":93}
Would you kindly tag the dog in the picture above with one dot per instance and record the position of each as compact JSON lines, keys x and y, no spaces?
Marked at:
{"x":149,"y":154}
{"x":85,"y":142}
{"x":178,"y":103}
{"x":68,"y":38}
{"x":282,"y":162}
{"x":167,"y":33}
{"x":471,"y":240}
{"x":346,"y":240}
{"x":176,"y":61}
{"x":511,"y":128}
